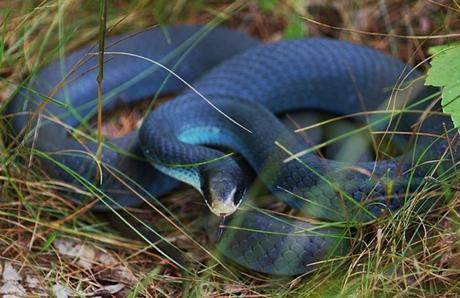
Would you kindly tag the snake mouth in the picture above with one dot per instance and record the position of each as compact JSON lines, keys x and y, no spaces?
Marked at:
{"x":225,"y":206}
{"x":223,"y":191}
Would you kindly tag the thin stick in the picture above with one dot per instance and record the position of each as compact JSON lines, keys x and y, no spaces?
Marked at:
{"x":184,"y":82}
{"x":100,"y":77}
{"x":452,"y":35}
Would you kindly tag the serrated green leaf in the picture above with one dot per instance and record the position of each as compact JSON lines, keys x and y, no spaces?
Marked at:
{"x":267,"y":5}
{"x":439,"y":48}
{"x":445,"y":73}
{"x":444,"y":67}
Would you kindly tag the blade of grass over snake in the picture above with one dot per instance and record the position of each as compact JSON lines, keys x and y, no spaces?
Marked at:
{"x":363,"y":128}
{"x":183,"y":81}
{"x":103,"y":7}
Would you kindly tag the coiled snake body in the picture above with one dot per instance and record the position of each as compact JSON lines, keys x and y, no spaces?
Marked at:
{"x":249,"y":84}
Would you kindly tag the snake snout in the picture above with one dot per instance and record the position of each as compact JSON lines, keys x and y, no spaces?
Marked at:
{"x":223,"y":192}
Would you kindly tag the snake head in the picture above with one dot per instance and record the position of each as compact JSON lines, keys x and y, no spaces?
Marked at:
{"x":223,"y":190}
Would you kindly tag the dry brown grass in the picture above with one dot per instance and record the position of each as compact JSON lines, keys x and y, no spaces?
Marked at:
{"x":33,"y":213}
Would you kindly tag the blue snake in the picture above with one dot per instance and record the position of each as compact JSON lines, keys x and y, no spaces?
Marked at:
{"x":240,"y":86}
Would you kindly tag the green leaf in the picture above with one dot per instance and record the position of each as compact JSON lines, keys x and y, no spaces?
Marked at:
{"x":295,"y":28}
{"x":48,"y":241}
{"x":267,"y":5}
{"x":440,"y":48}
{"x":445,"y":73}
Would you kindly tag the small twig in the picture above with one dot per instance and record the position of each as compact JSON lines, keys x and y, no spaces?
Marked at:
{"x":452,"y":35}
{"x":184,"y":82}
{"x":452,"y":187}
{"x":100,"y":77}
